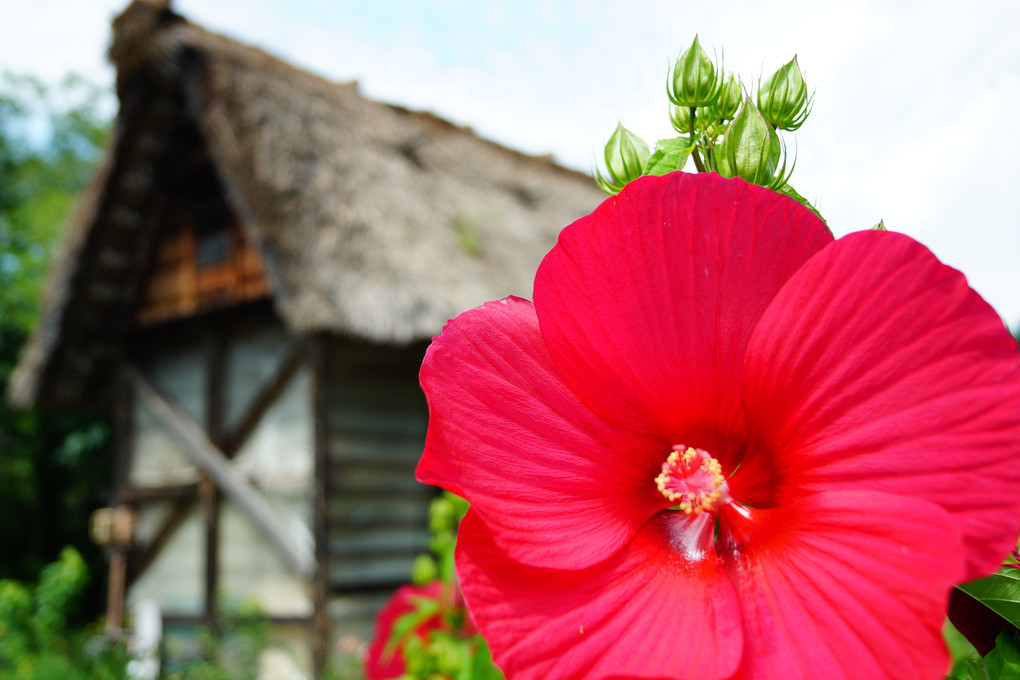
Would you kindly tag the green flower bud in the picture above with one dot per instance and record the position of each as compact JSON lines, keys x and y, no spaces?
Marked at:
{"x":449,"y":656}
{"x":695,"y":81}
{"x":680,"y":119}
{"x":424,"y":570}
{"x":730,"y":96}
{"x":417,"y":658}
{"x":750,"y":149}
{"x":441,"y":515}
{"x":783,"y":97}
{"x":626,"y":155}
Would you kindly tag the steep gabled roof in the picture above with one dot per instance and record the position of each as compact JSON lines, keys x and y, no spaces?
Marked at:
{"x":373,"y":221}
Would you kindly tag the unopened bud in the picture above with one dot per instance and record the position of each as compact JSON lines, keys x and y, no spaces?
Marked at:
{"x":730,"y":96}
{"x":441,"y":515}
{"x":750,"y":149}
{"x":626,"y":155}
{"x":694,"y":80}
{"x":681,"y":117}
{"x":448,"y":657}
{"x":424,"y":570}
{"x":783,"y":97}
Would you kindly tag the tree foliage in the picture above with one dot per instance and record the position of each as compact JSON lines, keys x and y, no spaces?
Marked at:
{"x":52,"y":466}
{"x":35,"y":641}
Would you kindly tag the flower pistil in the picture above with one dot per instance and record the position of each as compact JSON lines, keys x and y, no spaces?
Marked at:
{"x":692,"y":479}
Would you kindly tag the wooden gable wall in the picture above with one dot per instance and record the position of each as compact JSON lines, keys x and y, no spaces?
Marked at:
{"x":202,"y":259}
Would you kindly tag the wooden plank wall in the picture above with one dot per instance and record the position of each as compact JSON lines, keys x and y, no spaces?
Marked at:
{"x":376,"y":419}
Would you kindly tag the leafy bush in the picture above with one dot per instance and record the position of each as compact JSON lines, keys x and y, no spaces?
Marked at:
{"x":35,"y":641}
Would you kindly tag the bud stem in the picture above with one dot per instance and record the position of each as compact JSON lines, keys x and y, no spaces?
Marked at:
{"x":694,"y":153}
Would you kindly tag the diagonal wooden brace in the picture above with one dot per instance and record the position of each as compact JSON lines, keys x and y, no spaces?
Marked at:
{"x":211,"y":460}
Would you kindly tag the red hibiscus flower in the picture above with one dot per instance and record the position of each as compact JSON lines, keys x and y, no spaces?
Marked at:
{"x":443,"y":610}
{"x":384,"y":658}
{"x":721,"y":444}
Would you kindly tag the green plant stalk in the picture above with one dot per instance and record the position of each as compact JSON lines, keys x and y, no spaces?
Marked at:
{"x":694,"y":154}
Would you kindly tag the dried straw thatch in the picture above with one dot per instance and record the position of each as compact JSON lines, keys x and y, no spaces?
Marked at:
{"x":373,"y":221}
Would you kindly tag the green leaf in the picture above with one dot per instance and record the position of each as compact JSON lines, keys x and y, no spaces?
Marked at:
{"x":961,"y":651}
{"x":1003,"y":662}
{"x":482,"y":666}
{"x":1000,"y":592}
{"x":670,"y":154}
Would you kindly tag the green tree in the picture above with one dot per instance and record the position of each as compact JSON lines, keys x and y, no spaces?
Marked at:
{"x":52,"y":466}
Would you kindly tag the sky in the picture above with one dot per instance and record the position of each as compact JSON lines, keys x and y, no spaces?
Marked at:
{"x":912,"y":121}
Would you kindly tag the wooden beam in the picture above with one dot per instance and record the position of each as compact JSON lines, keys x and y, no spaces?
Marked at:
{"x":197,"y":620}
{"x":384,"y":586}
{"x":264,"y":398}
{"x":211,"y":460}
{"x":141,"y":494}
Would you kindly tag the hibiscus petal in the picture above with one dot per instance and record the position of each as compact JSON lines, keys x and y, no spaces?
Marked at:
{"x":647,"y":304}
{"x":646,"y":613}
{"x":845,"y":585}
{"x":556,"y":484}
{"x":877,"y":367}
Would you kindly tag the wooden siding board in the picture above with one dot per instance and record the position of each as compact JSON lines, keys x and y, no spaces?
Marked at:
{"x":375,"y":428}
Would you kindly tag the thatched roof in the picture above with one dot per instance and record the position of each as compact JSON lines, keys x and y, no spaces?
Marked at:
{"x":373,"y":221}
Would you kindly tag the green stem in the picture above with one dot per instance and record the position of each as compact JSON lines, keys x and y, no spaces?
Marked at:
{"x":694,"y":154}
{"x":697,"y":161}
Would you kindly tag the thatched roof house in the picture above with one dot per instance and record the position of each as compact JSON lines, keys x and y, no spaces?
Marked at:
{"x":371,"y":220}
{"x":251,"y":278}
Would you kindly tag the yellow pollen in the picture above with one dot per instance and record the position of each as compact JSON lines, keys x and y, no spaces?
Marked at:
{"x":692,"y":479}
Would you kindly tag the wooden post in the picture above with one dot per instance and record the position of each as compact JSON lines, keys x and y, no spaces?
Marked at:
{"x":208,"y":493}
{"x":320,"y":586}
{"x":116,"y":584}
{"x":120,"y":531}
{"x":123,"y":433}
{"x":209,"y":503}
{"x":115,"y":592}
